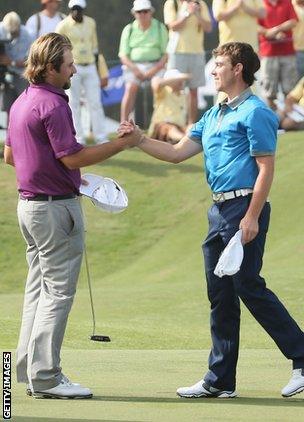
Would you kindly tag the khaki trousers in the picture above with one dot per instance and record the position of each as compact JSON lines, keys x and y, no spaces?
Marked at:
{"x":54,"y":234}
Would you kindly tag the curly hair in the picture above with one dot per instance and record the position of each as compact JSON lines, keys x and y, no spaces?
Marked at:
{"x":46,"y":49}
{"x":239,"y":52}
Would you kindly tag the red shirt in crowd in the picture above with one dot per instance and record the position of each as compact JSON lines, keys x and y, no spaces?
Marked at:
{"x":275,"y":15}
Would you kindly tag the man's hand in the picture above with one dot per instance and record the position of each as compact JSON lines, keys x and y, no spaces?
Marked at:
{"x":84,"y":182}
{"x":139,"y":74}
{"x":275,"y":33}
{"x":193,"y":7}
{"x":104,"y":82}
{"x":125,"y":128}
{"x":133,"y":138}
{"x":250,"y":228}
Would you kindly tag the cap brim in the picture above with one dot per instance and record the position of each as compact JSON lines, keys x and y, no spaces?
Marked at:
{"x":133,"y":10}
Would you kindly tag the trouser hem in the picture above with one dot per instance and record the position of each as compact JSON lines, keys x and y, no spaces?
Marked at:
{"x":46,"y":385}
{"x":298,"y":364}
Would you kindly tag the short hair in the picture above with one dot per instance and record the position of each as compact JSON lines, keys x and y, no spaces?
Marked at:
{"x":11,"y":22}
{"x":46,"y":49}
{"x":239,"y":52}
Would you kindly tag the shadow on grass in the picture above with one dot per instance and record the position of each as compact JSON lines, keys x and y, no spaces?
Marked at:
{"x":151,"y":169}
{"x":243,"y":401}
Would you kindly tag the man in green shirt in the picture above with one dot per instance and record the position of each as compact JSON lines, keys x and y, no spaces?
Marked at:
{"x":142,"y":52}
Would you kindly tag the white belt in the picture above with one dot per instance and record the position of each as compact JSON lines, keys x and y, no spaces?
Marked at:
{"x":224,"y":196}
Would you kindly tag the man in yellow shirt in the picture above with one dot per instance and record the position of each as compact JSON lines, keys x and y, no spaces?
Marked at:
{"x":298,"y":36}
{"x":238,"y":20}
{"x":188,"y":20}
{"x":81,"y":30}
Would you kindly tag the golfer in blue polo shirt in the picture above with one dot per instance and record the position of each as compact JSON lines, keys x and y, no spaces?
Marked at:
{"x":238,"y":140}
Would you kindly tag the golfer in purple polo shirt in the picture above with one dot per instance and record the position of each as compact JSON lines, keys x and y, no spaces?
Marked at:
{"x":42,"y":147}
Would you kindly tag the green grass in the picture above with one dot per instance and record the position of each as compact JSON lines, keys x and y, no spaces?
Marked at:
{"x":149,"y":293}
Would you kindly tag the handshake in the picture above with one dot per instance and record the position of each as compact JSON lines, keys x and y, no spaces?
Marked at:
{"x":131,"y":134}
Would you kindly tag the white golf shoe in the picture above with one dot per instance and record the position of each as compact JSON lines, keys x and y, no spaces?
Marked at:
{"x":28,"y":389}
{"x":65,"y":390}
{"x":295,"y":385}
{"x":201,"y":389}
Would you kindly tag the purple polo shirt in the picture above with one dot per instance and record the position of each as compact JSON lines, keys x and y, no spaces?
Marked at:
{"x":40,"y":132}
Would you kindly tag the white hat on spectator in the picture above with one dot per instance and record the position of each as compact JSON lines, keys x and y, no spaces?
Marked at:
{"x":11,"y":22}
{"x":79,"y":3}
{"x":142,"y":5}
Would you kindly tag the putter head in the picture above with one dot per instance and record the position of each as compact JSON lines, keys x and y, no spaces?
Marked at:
{"x":100,"y":338}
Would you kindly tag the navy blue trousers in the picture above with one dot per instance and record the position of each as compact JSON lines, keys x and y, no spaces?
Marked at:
{"x":224,"y":294}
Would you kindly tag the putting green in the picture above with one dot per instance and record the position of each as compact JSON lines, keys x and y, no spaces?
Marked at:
{"x":150,"y":298}
{"x":137,"y":385}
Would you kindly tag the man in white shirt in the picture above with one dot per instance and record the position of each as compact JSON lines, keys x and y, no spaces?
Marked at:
{"x":45,"y":21}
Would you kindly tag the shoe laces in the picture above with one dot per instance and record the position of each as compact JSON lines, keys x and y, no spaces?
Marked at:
{"x":297,"y":373}
{"x":65,"y":381}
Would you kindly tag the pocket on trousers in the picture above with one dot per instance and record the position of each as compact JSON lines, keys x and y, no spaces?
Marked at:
{"x":67,"y":220}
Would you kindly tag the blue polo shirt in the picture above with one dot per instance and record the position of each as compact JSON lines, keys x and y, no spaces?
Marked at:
{"x":232,"y":134}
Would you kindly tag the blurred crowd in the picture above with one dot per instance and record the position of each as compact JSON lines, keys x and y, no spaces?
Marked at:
{"x":168,"y":57}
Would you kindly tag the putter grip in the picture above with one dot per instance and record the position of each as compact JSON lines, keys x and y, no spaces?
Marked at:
{"x":100,"y":338}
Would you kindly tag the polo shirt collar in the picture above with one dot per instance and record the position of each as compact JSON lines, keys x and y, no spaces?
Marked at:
{"x":51,"y":88}
{"x":237,"y":101}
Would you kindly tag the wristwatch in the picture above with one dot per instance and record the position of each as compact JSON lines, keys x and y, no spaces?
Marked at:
{"x":186,"y":14}
{"x":13,"y":63}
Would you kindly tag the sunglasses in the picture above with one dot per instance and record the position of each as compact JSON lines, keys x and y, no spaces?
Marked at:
{"x":143,"y":11}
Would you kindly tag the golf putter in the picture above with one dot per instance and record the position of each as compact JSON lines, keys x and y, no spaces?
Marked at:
{"x":93,"y":337}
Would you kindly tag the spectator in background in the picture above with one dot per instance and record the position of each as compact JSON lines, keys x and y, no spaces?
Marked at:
{"x":238,"y":20}
{"x":188,"y":21}
{"x":45,"y":21}
{"x":142,"y":52}
{"x":298,"y":36}
{"x":81,"y":30}
{"x":168,"y":122}
{"x":278,"y":60}
{"x":16,"y":48}
{"x":292,"y":116}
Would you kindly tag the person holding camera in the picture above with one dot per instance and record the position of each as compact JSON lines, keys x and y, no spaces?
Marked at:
{"x":187,"y":21}
{"x":16,"y":42}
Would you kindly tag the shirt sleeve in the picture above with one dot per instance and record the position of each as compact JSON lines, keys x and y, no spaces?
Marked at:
{"x":31,"y":25}
{"x":60,"y":28}
{"x":298,"y":91}
{"x":169,"y":12}
{"x":124,"y":47}
{"x":58,"y":124}
{"x":196,"y":132}
{"x":262,"y":126}
{"x":164,"y":39}
{"x":94,"y":38}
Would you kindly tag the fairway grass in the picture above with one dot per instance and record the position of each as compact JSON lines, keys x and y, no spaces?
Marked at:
{"x":139,"y":386}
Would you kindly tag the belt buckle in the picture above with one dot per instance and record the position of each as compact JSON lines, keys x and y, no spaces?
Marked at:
{"x":218,"y":197}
